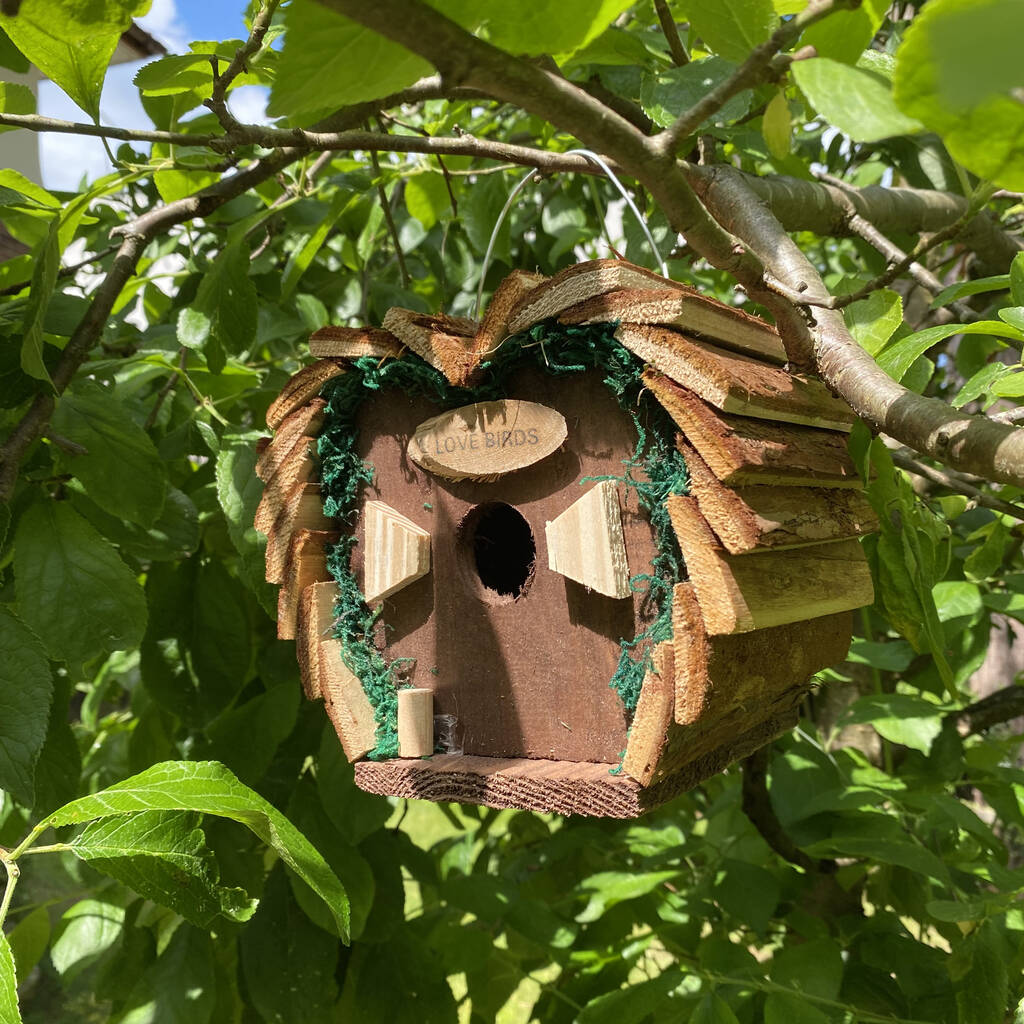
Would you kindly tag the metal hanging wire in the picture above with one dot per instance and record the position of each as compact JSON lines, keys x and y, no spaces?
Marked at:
{"x":608,"y":172}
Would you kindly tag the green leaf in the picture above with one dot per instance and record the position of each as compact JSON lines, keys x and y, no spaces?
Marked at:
{"x":559,"y":27}
{"x":748,"y":892}
{"x":873,"y":320}
{"x":10,"y":56}
{"x":967,"y":288}
{"x":16,"y":99}
{"x":178,"y":987}
{"x":329,"y":61}
{"x":981,"y":383}
{"x":982,"y":991}
{"x":814,"y":968}
{"x":72,"y":42}
{"x":426,"y":198}
{"x":888,"y":655}
{"x":953,"y":911}
{"x":1017,"y":279}
{"x":636,"y":1003}
{"x":712,"y":1009}
{"x":209,"y":788}
{"x":897,"y":358}
{"x":29,"y":939}
{"x":162,"y":855}
{"x":667,"y":94}
{"x":26,"y":689}
{"x":120,"y":469}
{"x":46,"y":264}
{"x":845,"y":34}
{"x":288,"y":963}
{"x":732,"y":27}
{"x":302,"y":257}
{"x":856,"y":101}
{"x":85,"y":932}
{"x":228,"y":298}
{"x":899,"y":718}
{"x":783,"y":1009}
{"x":73,"y":589}
{"x":776,"y":126}
{"x":949,"y":76}
{"x":986,"y":560}
{"x":608,"y":888}
{"x":9,"y":1012}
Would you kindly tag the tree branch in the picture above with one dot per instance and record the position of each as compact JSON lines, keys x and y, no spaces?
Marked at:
{"x":1002,"y":706}
{"x":671,"y":32}
{"x":754,"y":70}
{"x":958,"y":485}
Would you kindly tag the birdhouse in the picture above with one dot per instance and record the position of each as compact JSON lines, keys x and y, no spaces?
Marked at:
{"x":576,"y":557}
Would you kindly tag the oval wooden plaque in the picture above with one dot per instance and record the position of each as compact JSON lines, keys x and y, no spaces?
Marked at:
{"x":487,"y":439}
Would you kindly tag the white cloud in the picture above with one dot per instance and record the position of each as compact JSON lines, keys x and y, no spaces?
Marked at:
{"x":249,"y":104}
{"x":164,"y":22}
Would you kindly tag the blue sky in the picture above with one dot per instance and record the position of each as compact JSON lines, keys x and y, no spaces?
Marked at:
{"x":66,"y":158}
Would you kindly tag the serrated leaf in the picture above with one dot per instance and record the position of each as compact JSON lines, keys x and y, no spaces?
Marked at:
{"x":162,"y":855}
{"x":209,"y":788}
{"x":636,"y":1003}
{"x":899,"y":718}
{"x":845,"y":34}
{"x":966,"y":288}
{"x":667,"y":94}
{"x":72,"y":42}
{"x":73,"y":589}
{"x":982,"y":991}
{"x":303,"y":255}
{"x":856,"y":101}
{"x":9,"y":1012}
{"x":227,"y":297}
{"x":897,"y":358}
{"x":732,"y":28}
{"x":46,"y":264}
{"x":950,"y":76}
{"x":120,"y":468}
{"x":426,"y":198}
{"x":26,"y":689}
{"x":979,"y":384}
{"x":873,"y":320}
{"x":608,"y":888}
{"x":16,"y":99}
{"x":712,"y":1009}
{"x":85,"y":932}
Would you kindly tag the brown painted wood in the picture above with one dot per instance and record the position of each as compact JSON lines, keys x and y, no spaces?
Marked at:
{"x":654,"y":713}
{"x":298,"y":467}
{"x":579,"y":282}
{"x":353,"y":343}
{"x":302,"y":387}
{"x":306,"y":564}
{"x":305,"y":421}
{"x":314,"y":624}
{"x":347,"y":705}
{"x":749,"y":519}
{"x":558,"y":643}
{"x":487,"y":439}
{"x":743,"y":450}
{"x":302,"y":510}
{"x":736,"y":383}
{"x":715,"y":675}
{"x":739,"y":593}
{"x":688,"y":310}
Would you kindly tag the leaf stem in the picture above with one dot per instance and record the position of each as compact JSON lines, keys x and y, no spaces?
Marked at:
{"x":13,"y":873}
{"x":51,"y":848}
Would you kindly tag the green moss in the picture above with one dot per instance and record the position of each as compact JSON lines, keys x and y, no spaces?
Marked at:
{"x":654,"y":471}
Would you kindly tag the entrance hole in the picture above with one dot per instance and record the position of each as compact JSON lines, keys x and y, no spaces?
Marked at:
{"x":503,"y":549}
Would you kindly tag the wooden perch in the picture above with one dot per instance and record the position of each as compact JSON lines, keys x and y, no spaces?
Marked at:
{"x":397,"y":551}
{"x":302,"y":510}
{"x":716,"y":674}
{"x":298,"y":466}
{"x":741,"y":593}
{"x":654,"y":713}
{"x":301,"y":388}
{"x":579,"y":282}
{"x":306,"y":564}
{"x":446,"y":342}
{"x":315,"y":623}
{"x":415,"y":722}
{"x":348,"y":707}
{"x":306,"y":421}
{"x":686,"y":309}
{"x":585,"y":542}
{"x":735,"y":383}
{"x":354,"y":342}
{"x":752,"y":518}
{"x":741,"y":450}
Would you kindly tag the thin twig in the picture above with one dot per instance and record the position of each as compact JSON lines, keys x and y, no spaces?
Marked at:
{"x":168,"y":387}
{"x":755,"y":69}
{"x":671,"y":33}
{"x":64,"y":272}
{"x":958,"y":485}
{"x":390,"y":220}
{"x":1009,"y":415}
{"x":440,"y":160}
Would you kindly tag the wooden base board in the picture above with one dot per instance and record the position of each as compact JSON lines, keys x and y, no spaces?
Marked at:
{"x":557,"y":787}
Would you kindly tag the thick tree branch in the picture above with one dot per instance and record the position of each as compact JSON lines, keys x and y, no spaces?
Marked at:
{"x":755,"y":69}
{"x":995,"y":709}
{"x":972,"y":443}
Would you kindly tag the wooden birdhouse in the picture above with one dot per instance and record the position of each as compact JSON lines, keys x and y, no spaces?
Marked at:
{"x":577,"y":557}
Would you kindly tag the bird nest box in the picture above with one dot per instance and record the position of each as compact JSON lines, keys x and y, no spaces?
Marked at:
{"x":576,"y":557}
